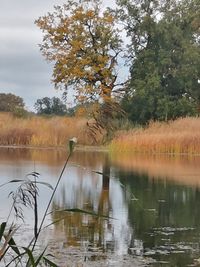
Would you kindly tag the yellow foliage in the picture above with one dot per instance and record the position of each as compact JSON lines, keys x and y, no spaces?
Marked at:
{"x":80,"y":36}
{"x":90,"y":14}
{"x":108,"y":18}
{"x":81,"y":112}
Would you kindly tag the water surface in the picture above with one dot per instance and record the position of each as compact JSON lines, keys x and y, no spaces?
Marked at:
{"x":152,"y":204}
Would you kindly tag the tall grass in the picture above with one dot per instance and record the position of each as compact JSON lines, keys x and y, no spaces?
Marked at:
{"x":177,"y":137}
{"x":42,"y":131}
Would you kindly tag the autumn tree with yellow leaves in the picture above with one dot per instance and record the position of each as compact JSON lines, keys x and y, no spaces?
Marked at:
{"x":83,"y":42}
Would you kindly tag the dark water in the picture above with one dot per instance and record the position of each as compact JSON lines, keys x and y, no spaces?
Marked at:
{"x":153,"y":205}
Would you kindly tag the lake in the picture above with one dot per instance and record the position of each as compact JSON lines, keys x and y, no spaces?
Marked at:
{"x":149,"y":206}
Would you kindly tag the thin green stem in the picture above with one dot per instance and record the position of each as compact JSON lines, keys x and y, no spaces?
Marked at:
{"x":35,"y":210}
{"x":50,"y":201}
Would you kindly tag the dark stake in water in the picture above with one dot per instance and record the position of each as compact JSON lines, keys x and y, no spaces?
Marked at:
{"x":153,"y":205}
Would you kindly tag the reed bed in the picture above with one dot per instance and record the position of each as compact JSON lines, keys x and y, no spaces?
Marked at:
{"x":42,"y":131}
{"x":181,"y":136}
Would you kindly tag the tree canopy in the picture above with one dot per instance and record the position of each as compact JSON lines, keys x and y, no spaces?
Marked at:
{"x":165,"y":54}
{"x":50,"y":106}
{"x":83,"y":42}
{"x":10,"y":102}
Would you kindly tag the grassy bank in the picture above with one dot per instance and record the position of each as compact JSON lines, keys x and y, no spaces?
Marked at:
{"x":179,"y":136}
{"x":41,"y":131}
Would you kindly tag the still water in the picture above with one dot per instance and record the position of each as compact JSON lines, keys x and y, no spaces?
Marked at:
{"x":153,"y":205}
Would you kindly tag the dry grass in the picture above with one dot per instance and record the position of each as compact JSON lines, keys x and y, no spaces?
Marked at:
{"x":176,"y":137}
{"x":40,"y":131}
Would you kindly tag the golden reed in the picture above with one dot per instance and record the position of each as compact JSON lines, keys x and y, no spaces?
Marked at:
{"x":181,"y":136}
{"x":41,"y":131}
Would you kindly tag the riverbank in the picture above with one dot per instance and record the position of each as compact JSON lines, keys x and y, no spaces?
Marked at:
{"x":78,"y":147}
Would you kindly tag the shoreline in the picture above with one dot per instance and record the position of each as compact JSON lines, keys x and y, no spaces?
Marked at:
{"x":105,"y":149}
{"x":78,"y":147}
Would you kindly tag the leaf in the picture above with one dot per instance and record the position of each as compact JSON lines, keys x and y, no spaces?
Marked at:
{"x":12,"y":181}
{"x":8,"y":242}
{"x":50,"y":263}
{"x":40,"y":257}
{"x":15,"y":258}
{"x":30,"y":256}
{"x":47,"y":184}
{"x":54,"y":222}
{"x":85,"y":212}
{"x":34,"y":174}
{"x":13,"y":245}
{"x":101,"y":173}
{"x":2,"y":229}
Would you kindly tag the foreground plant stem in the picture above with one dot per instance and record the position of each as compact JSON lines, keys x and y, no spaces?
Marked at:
{"x":35,"y":212}
{"x":52,"y":195}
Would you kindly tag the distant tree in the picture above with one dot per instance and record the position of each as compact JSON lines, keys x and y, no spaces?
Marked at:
{"x":11,"y":103}
{"x":70,"y":112}
{"x":50,"y":106}
{"x":84,"y":44}
{"x":22,"y":113}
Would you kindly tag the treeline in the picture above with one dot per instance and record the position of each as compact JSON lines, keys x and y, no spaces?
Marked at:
{"x":44,"y":106}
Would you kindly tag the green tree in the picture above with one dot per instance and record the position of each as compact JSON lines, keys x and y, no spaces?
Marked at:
{"x":84,"y":44}
{"x":165,"y":55}
{"x":11,"y":103}
{"x":50,"y":106}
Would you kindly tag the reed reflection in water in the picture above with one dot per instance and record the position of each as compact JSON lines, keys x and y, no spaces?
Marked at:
{"x":180,"y":169}
{"x":164,"y":210}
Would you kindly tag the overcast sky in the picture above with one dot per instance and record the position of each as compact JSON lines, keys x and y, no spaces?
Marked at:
{"x":23,"y":70}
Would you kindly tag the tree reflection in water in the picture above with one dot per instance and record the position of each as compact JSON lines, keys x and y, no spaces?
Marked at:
{"x":103,"y":195}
